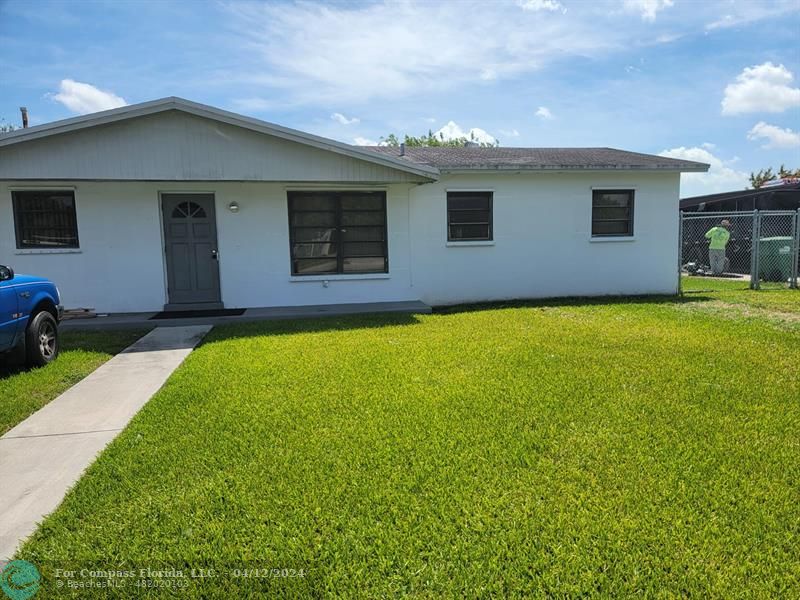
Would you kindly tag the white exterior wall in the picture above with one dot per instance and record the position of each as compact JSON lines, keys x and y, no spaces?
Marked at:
{"x":541,"y":248}
{"x":120,"y":265}
{"x":542,"y":243}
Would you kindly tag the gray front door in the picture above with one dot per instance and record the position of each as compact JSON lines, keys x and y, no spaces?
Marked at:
{"x":190,"y":240}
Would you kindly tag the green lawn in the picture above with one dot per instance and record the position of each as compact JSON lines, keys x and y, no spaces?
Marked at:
{"x":566,"y":449}
{"x":24,"y":391}
{"x":781,"y":300}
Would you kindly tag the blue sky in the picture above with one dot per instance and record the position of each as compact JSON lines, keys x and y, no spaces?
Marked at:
{"x":710,"y":80}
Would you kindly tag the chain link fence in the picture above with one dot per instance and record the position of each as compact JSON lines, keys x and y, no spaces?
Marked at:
{"x":757,"y":249}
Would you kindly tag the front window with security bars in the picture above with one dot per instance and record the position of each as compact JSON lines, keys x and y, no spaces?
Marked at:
{"x":45,"y":219}
{"x":338,"y":233}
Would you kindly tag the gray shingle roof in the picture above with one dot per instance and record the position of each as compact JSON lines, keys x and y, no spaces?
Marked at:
{"x":472,"y":158}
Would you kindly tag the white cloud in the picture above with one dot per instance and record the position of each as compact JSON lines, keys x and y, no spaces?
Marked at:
{"x":722,"y":23}
{"x":742,"y":13}
{"x":775,"y":136}
{"x":668,"y":38}
{"x":509,"y":132}
{"x":430,"y":119}
{"x":544,"y":113}
{"x":708,"y":145}
{"x":340,"y":118}
{"x":83,"y":98}
{"x":348,"y":53}
{"x":761,"y":88}
{"x":721,"y":177}
{"x":252,"y":104}
{"x":452,"y":131}
{"x":537,"y":5}
{"x":362,"y":141}
{"x":647,"y":8}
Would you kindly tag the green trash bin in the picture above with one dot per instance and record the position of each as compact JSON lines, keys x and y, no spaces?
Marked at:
{"x":775,"y":258}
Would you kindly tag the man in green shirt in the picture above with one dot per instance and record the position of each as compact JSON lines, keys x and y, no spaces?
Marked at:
{"x":718,"y":239}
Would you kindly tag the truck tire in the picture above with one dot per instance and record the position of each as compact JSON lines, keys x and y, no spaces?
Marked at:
{"x":41,"y":340}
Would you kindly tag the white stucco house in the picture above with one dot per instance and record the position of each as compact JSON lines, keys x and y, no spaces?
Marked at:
{"x":172,"y":204}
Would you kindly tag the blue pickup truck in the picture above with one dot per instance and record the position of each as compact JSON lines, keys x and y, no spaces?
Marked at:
{"x":30,"y":310}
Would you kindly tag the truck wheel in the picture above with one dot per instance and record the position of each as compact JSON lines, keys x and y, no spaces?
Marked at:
{"x":41,"y":340}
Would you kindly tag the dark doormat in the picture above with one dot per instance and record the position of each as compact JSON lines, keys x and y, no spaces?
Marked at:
{"x":195,"y":314}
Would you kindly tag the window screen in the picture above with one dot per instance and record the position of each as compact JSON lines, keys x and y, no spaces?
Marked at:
{"x":469,"y":216}
{"x":612,"y":213}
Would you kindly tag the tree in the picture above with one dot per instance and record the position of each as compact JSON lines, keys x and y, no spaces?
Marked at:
{"x":764,"y":176}
{"x":430,"y":140}
{"x":390,"y":140}
{"x":5,"y":127}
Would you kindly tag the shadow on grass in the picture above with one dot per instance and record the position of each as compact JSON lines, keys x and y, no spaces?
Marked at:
{"x":12,"y":364}
{"x":323,"y":324}
{"x":571,"y":301}
{"x":316,"y":324}
{"x":103,"y":342}
{"x":761,"y":290}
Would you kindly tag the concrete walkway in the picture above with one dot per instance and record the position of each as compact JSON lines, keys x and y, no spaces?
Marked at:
{"x":122,"y":320}
{"x":42,"y":457}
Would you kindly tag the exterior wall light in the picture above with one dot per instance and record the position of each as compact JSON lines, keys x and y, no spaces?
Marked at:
{"x":233,"y":207}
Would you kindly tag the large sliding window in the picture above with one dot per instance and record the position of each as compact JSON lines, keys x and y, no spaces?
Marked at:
{"x":612,"y":213}
{"x":45,"y":219}
{"x":469,"y":216}
{"x":338,"y":232}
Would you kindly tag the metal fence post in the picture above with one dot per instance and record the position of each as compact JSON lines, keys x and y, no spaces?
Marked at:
{"x":755,"y":282}
{"x":795,"y":249}
{"x":680,"y":252}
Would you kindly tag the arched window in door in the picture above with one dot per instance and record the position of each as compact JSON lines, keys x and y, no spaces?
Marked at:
{"x":186,"y":210}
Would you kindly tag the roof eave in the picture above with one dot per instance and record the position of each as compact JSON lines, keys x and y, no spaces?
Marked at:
{"x":83,"y":121}
{"x":506,"y":168}
{"x":736,"y":195}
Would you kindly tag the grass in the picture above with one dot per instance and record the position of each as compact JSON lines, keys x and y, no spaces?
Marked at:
{"x":568,"y":449}
{"x":24,"y":391}
{"x":781,"y":304}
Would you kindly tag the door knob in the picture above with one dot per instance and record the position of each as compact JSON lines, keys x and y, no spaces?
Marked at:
{"x":214,"y":255}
